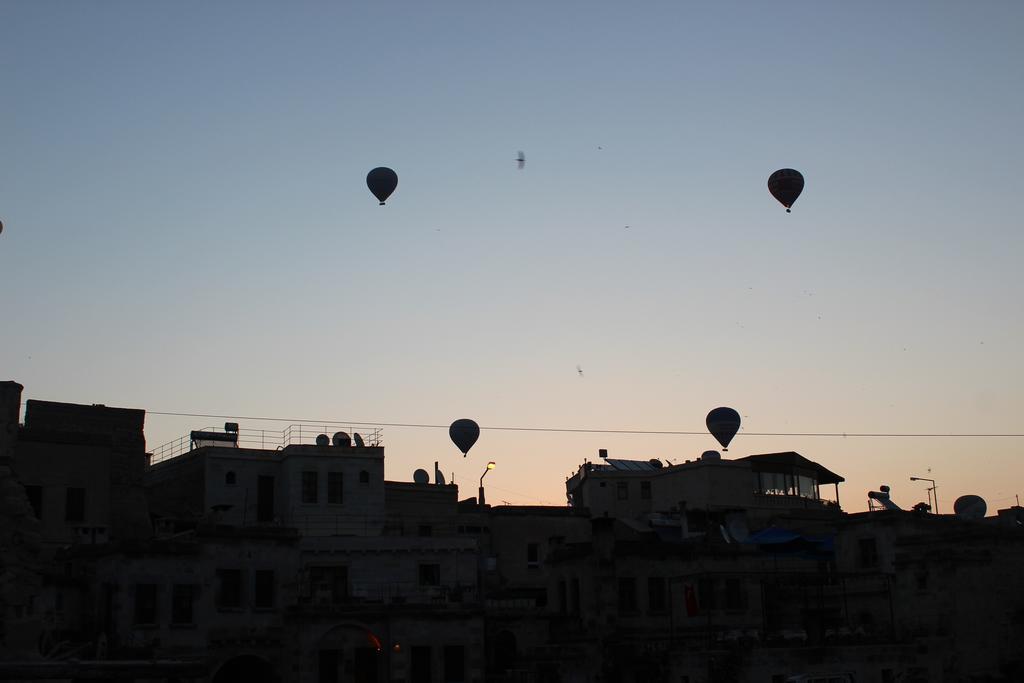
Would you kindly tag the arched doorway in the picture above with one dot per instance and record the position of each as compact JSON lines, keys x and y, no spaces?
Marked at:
{"x":350,"y":653}
{"x":248,"y":668}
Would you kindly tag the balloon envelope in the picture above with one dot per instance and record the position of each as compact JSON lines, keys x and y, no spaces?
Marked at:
{"x":786,"y":184}
{"x":382,"y":181}
{"x":464,"y":434}
{"x":723,"y":423}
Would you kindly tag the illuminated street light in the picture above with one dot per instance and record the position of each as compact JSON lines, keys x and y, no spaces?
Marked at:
{"x":490,"y":466}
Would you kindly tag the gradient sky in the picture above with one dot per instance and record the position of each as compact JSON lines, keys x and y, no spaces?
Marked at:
{"x":187,"y":226}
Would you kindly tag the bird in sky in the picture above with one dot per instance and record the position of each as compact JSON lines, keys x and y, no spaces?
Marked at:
{"x":521,"y":160}
{"x":579,"y":370}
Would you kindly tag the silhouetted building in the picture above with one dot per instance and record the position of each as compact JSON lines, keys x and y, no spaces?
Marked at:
{"x":243,"y":555}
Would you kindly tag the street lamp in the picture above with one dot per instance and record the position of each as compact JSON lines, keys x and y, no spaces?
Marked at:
{"x":931,"y":491}
{"x":490,"y":466}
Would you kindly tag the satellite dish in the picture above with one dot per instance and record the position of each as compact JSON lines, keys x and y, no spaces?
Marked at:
{"x":723,"y":423}
{"x":736,"y":525}
{"x":341,"y":439}
{"x":710,"y":455}
{"x":970,"y":507}
{"x":322,"y":440}
{"x":358,"y":439}
{"x":464,"y":434}
{"x":439,"y":477}
{"x":655,"y":463}
{"x":421,"y":477}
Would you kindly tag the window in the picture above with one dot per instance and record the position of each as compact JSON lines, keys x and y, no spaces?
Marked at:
{"x":430,"y":575}
{"x":454,"y":664}
{"x":35,"y":499}
{"x":532,"y":555}
{"x":334,"y":488}
{"x":230,"y":479}
{"x":645,"y":490}
{"x":425,"y":530}
{"x":229,"y":588}
{"x":706,"y":593}
{"x":329,"y":585}
{"x":145,"y":603}
{"x":563,"y":598}
{"x":656,"y":594}
{"x":263,"y":589}
{"x":309,"y":487}
{"x":182,"y":596}
{"x":74,"y":505}
{"x":623,"y":490}
{"x":807,"y":487}
{"x":735,"y":594}
{"x":364,"y":477}
{"x":264,"y":498}
{"x":868,"y":553}
{"x":627,"y":594}
{"x":574,"y":595}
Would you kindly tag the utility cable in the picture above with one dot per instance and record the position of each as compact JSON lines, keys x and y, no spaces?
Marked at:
{"x":574,"y":430}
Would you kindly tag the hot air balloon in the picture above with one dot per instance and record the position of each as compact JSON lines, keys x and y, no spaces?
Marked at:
{"x":723,"y":423}
{"x":786,"y":185}
{"x":464,"y":434}
{"x":382,"y":181}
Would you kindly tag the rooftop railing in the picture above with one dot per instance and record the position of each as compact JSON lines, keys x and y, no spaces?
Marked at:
{"x":265,"y":439}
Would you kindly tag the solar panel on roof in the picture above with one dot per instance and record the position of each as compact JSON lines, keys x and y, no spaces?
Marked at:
{"x":633,"y":465}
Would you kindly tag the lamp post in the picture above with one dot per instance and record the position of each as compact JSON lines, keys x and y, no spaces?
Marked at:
{"x":932,"y":490}
{"x":490,"y":466}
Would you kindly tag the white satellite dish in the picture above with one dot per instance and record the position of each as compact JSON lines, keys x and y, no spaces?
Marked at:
{"x":970,"y":507}
{"x":358,"y":439}
{"x":439,"y":477}
{"x":421,"y":477}
{"x":736,"y":525}
{"x":322,"y":440}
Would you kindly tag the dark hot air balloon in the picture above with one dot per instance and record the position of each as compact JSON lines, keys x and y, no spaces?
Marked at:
{"x":786,"y":185}
{"x":382,"y":181}
{"x":723,"y":423}
{"x":464,"y":434}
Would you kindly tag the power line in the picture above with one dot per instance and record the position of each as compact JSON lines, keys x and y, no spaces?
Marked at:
{"x":575,"y":430}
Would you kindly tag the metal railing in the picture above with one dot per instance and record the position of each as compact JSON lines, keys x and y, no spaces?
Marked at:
{"x":268,"y":439}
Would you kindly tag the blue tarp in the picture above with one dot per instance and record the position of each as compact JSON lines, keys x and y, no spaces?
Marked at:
{"x":775,"y":539}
